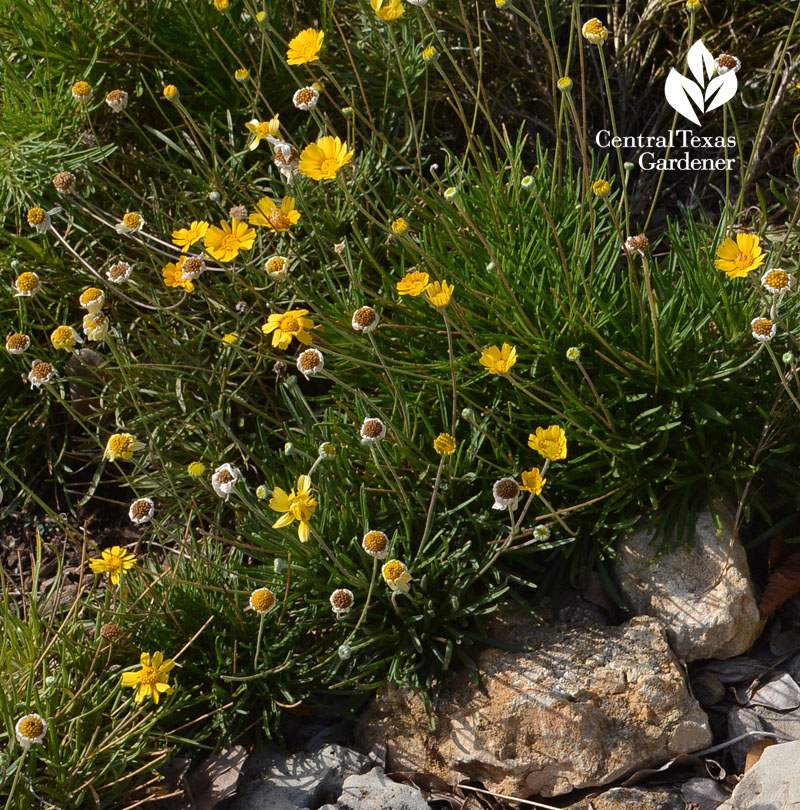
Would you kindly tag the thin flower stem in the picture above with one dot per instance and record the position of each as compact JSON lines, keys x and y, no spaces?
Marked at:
{"x":324,"y":546}
{"x":399,"y":399}
{"x":429,"y":518}
{"x":506,"y":543}
{"x":600,"y":402}
{"x":258,"y":640}
{"x":451,"y":357}
{"x":653,"y":315}
{"x":782,"y":376}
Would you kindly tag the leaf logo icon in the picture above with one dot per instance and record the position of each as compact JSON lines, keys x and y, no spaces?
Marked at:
{"x":707,"y":91}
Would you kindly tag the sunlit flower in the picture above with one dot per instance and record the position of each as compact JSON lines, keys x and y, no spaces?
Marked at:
{"x":532,"y":481}
{"x":222,"y":5}
{"x":445,"y":444}
{"x":341,"y":601}
{"x":95,"y":326}
{"x":17,"y":344}
{"x":372,"y":430}
{"x":726,"y":63}
{"x":595,"y":31}
{"x":499,"y":361}
{"x":296,"y":505}
{"x":550,"y":442}
{"x":40,"y":374}
{"x":439,"y":293}
{"x":305,"y":47}
{"x":601,"y":187}
{"x":121,"y":445}
{"x":777,"y":281}
{"x":399,"y":225}
{"x":277,"y":267}
{"x":376,"y":544}
{"x":113,"y":561}
{"x":141,"y":510}
{"x":39,"y":219}
{"x":310,"y":362}
{"x":174,"y":277}
{"x":396,"y":576}
{"x":92,"y":299}
{"x":764,"y":329}
{"x":573,"y":354}
{"x":387,"y":10}
{"x":306,"y":98}
{"x":429,"y":53}
{"x":119,"y":272}
{"x":184,"y":238}
{"x":225,"y":242}
{"x":192,"y":267}
{"x":224,"y":479}
{"x":230,"y":338}
{"x":736,"y":258}
{"x":241,"y":74}
{"x":152,"y":679}
{"x":64,"y":182}
{"x":262,"y":600}
{"x":171,"y":93}
{"x":365,"y":319}
{"x":270,"y":216}
{"x":82,"y":91}
{"x":130,"y":223}
{"x":117,"y":100}
{"x":323,"y":159}
{"x":506,"y":493}
{"x":30,"y":730}
{"x":65,"y":337}
{"x":261,"y":130}
{"x":288,"y":325}
{"x":27,"y":284}
{"x":196,"y":469}
{"x":414,"y":283}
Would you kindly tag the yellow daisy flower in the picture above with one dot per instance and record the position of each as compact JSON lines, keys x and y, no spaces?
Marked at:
{"x":532,"y":481}
{"x":152,"y":679}
{"x":414,"y":283}
{"x":184,"y":238}
{"x":439,"y":293}
{"x":323,"y":159}
{"x":196,"y":469}
{"x":288,"y":325}
{"x":396,"y":576}
{"x":387,"y":10}
{"x":114,"y":562}
{"x":297,"y":505}
{"x":173,"y":275}
{"x":400,"y":225}
{"x":225,"y":242}
{"x":499,"y":361}
{"x":262,"y":129}
{"x":601,"y":188}
{"x":445,"y":444}
{"x":549,"y":442}
{"x":305,"y":47}
{"x":736,"y":258}
{"x":269,"y":215}
{"x":121,"y":445}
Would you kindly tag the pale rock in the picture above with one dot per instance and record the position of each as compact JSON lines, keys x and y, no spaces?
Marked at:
{"x":773,"y":783}
{"x":578,"y":707}
{"x":702,"y":596}
{"x":375,"y":791}
{"x":632,"y":799}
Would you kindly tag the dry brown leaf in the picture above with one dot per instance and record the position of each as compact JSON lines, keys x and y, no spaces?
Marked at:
{"x":783,"y":584}
{"x":755,"y":751}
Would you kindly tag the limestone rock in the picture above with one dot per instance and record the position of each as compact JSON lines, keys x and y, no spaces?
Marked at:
{"x":375,"y":791}
{"x":632,"y":799}
{"x":280,"y":782}
{"x":579,"y":707}
{"x":742,"y":720}
{"x":703,"y":596}
{"x":773,"y":783}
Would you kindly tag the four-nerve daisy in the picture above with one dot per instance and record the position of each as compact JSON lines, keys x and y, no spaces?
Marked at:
{"x":225,"y":242}
{"x":736,"y":258}
{"x":113,"y":561}
{"x":549,"y":442}
{"x":268,"y":215}
{"x":288,"y":325}
{"x":263,"y":129}
{"x":323,"y":159}
{"x":184,"y":238}
{"x":305,"y":47}
{"x":152,"y":679}
{"x":499,"y":361}
{"x":297,"y":505}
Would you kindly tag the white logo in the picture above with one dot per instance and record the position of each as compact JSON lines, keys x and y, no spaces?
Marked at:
{"x":708,"y":92}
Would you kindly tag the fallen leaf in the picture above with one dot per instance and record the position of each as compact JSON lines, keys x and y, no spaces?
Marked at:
{"x":755,"y":751}
{"x":781,"y":694}
{"x":783,"y":584}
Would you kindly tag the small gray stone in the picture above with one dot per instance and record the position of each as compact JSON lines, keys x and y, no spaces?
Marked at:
{"x":297,"y":782}
{"x":773,"y":783}
{"x":375,"y":791}
{"x":703,"y":595}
